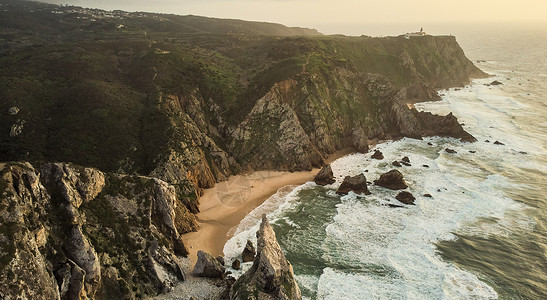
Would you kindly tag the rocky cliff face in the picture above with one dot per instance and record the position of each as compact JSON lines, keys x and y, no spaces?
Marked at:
{"x":271,"y":276}
{"x":74,"y":233}
{"x":184,"y":113}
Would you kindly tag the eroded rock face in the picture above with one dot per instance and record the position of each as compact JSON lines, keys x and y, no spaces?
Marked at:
{"x":99,"y":234}
{"x":207,"y":266}
{"x":271,"y":276}
{"x":448,"y":126}
{"x":392,"y":180}
{"x":325,"y":176}
{"x":357,"y":184}
{"x":249,"y":252}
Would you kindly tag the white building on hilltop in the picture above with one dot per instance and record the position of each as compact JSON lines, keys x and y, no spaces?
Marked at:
{"x":420,"y":33}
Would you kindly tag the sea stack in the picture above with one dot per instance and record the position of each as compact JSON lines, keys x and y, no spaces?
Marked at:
{"x":271,"y":276}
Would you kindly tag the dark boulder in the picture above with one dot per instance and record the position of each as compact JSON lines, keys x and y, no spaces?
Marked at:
{"x":207,"y":266}
{"x":495,"y":82}
{"x":325,"y":176}
{"x":377,"y":155}
{"x":392,"y":180}
{"x":236,"y":264}
{"x":448,"y":150}
{"x":406,"y":159}
{"x":405,"y":197}
{"x":498,"y":143}
{"x":428,"y":196}
{"x":357,"y":184}
{"x":425,"y":166}
{"x":249,"y":252}
{"x":396,"y":163}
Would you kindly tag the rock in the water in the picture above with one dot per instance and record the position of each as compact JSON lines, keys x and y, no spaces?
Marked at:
{"x":498,"y":143}
{"x":406,"y":164}
{"x":405,"y":197}
{"x":495,"y":82}
{"x":378,"y":155}
{"x":428,"y":195}
{"x":325,"y":176}
{"x":472,"y":151}
{"x":357,"y":184}
{"x":392,"y":180}
{"x":429,"y":143}
{"x":207,"y":266}
{"x":448,"y":125}
{"x":249,"y":252}
{"x":236,"y":264}
{"x":271,"y":276}
{"x":396,"y":163}
{"x":425,"y":166}
{"x":220,"y":260}
{"x":406,"y":159}
{"x":448,"y":150}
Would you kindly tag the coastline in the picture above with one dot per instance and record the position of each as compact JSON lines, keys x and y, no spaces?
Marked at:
{"x":227,"y":203}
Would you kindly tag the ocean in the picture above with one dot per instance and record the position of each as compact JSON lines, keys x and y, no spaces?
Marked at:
{"x":482,"y":235}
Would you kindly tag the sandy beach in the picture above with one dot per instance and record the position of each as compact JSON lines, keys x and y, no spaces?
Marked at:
{"x":225,"y":205}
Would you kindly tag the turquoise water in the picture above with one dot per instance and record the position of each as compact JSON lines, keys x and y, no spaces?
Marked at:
{"x":483,"y":234}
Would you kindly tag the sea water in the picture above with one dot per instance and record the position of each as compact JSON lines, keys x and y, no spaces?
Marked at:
{"x":482,"y":234}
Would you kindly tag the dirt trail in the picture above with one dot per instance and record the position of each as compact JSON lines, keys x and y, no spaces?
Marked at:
{"x":304,"y":65}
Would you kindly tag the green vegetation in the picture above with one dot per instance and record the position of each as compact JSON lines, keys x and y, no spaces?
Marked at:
{"x":119,"y":91}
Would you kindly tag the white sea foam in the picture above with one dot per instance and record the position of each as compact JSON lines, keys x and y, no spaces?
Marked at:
{"x":374,"y":251}
{"x":273,"y":207}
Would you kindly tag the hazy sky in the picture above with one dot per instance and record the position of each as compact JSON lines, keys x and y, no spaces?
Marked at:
{"x":331,"y":16}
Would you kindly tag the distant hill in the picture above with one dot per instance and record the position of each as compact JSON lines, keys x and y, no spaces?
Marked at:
{"x":74,"y":16}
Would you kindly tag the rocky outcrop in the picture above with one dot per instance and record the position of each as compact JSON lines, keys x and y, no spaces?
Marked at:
{"x":392,"y":180}
{"x":356,"y":184}
{"x":325,"y":176}
{"x":207,"y":266}
{"x":377,"y":155}
{"x":405,"y":197}
{"x":249,"y":252}
{"x":271,"y":276}
{"x":447,"y":126}
{"x":359,"y":140}
{"x":72,"y":232}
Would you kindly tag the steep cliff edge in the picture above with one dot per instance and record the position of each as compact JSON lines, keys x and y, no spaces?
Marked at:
{"x":177,"y":112}
{"x":70,"y":232}
{"x":271,"y":276}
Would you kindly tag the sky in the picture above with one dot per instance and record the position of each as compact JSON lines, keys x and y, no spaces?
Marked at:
{"x":341,"y":16}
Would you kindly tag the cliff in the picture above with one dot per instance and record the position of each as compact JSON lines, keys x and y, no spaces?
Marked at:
{"x":165,"y":106}
{"x":70,"y":232}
